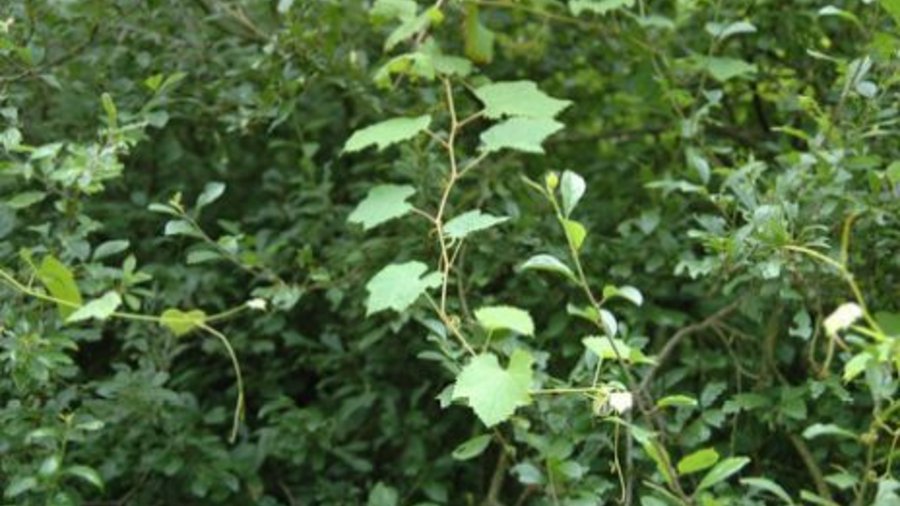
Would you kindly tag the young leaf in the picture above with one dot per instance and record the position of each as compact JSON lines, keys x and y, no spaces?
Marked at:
{"x":383,"y":495}
{"x":677,"y":400}
{"x":19,"y":486}
{"x":628,"y":293}
{"x":722,"y":31}
{"x":722,"y":471}
{"x":472,"y":448}
{"x":724,"y":69}
{"x":769,"y":486}
{"x":549,"y":263}
{"x":110,"y":248}
{"x":100,"y":308}
{"x":479,"y":40}
{"x":505,"y":317}
{"x":394,"y":9}
{"x":182,"y":322}
{"x":827,"y":429}
{"x":575,"y":232}
{"x":698,"y":461}
{"x":60,"y":282}
{"x":893,"y":8}
{"x":471,"y":221}
{"x":25,"y":199}
{"x":610,"y":324}
{"x":86,"y":474}
{"x":518,"y":98}
{"x":397,"y":286}
{"x":598,"y":6}
{"x":602,"y":347}
{"x":386,"y":133}
{"x":856,"y":365}
{"x":383,"y":203}
{"x":522,"y":134}
{"x":494,"y":393}
{"x":211,"y":192}
{"x":572,"y":188}
{"x":181,"y":227}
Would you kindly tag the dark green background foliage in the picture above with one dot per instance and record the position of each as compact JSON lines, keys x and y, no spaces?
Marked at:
{"x":742,"y":166}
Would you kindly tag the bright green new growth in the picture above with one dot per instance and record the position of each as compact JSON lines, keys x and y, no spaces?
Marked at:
{"x":518,"y":98}
{"x":505,"y":317}
{"x":521,"y":134}
{"x":698,"y":461}
{"x":492,"y":392}
{"x":471,"y":221}
{"x":598,"y":6}
{"x":60,"y":282}
{"x":386,"y":133}
{"x":397,"y":286}
{"x":181,"y":322}
{"x":100,"y":309}
{"x":383,"y":203}
{"x":549,"y":263}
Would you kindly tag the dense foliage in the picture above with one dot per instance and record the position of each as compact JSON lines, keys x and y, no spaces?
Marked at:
{"x":493,"y":252}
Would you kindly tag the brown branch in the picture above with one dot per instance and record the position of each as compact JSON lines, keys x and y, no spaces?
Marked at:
{"x":810,"y":462}
{"x":676,"y":339}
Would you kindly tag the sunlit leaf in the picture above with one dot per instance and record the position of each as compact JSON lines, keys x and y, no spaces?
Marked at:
{"x":383,"y":203}
{"x":494,"y":393}
{"x":386,"y":133}
{"x":398,"y":286}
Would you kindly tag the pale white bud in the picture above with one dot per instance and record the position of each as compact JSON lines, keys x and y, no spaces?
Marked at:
{"x":842,"y":317}
{"x":258,"y":304}
{"x":621,"y":401}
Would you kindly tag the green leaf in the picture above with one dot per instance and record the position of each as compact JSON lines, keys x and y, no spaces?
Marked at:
{"x":548,"y":263}
{"x":522,"y":134}
{"x":19,"y":486}
{"x":471,"y":221}
{"x":211,"y":192}
{"x":181,"y":227}
{"x":856,"y":365}
{"x":769,"y":486}
{"x":397,"y":286}
{"x":628,"y":293}
{"x":110,"y":248}
{"x":724,"y":69}
{"x":572,"y":188}
{"x":606,"y":350}
{"x":386,"y":133}
{"x":479,"y":40}
{"x":494,"y":393}
{"x":383,"y":203}
{"x":408,"y":27}
{"x":383,"y":495}
{"x":677,"y":400}
{"x":472,"y":448}
{"x":505,"y":317}
{"x":86,"y":474}
{"x":722,"y":471}
{"x":100,"y":308}
{"x":26,"y":199}
{"x":827,"y":429}
{"x":60,"y":282}
{"x":598,"y":6}
{"x":608,"y":320}
{"x":722,"y":31}
{"x":394,"y":9}
{"x":575,"y":232}
{"x":698,"y":461}
{"x":518,"y":98}
{"x":181,"y":322}
{"x":893,"y":8}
